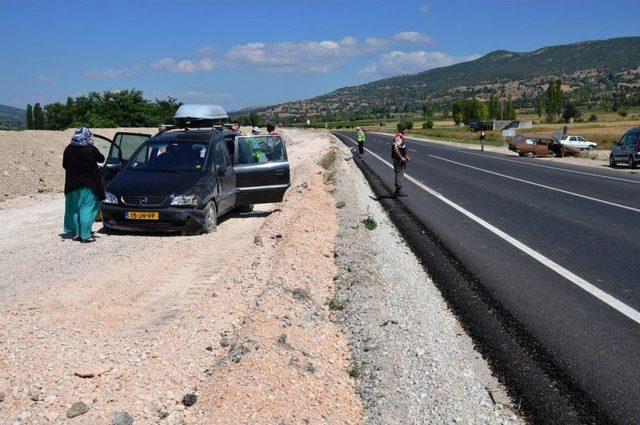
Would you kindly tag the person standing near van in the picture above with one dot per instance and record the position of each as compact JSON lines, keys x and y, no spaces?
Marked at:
{"x":400,"y":159}
{"x":361,"y":139}
{"x":271,"y":129}
{"x":82,"y":185}
{"x":482,"y":137}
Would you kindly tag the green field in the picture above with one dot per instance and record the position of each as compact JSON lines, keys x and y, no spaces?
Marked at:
{"x":605,"y":131}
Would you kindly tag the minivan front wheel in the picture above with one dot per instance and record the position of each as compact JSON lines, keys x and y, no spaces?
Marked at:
{"x":612,"y":161}
{"x":632,"y":163}
{"x":210,"y":218}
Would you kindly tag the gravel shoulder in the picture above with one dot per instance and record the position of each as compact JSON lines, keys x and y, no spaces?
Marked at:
{"x":415,"y":363}
{"x":229,"y":327}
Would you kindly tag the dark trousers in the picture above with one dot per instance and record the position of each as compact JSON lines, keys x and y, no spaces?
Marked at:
{"x":360,"y":147}
{"x":398,"y":169}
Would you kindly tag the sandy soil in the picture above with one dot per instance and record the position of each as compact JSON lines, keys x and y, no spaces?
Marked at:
{"x":234,"y":318}
{"x":31,"y":160}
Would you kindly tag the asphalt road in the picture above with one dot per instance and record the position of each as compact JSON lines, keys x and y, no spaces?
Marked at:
{"x":556,"y":245}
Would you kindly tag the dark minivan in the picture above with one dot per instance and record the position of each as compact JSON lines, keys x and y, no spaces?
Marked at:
{"x":184,"y":180}
{"x":627,"y":150}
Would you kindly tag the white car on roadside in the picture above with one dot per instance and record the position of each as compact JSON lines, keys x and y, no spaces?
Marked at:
{"x":578,"y":142}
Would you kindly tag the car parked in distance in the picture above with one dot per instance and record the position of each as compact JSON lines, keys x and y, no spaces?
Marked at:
{"x":578,"y":142}
{"x":532,"y":146}
{"x":476,"y":125}
{"x":184,"y":180}
{"x":627,"y":150}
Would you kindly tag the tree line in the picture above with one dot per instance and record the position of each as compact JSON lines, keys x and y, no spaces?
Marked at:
{"x":124,"y":108}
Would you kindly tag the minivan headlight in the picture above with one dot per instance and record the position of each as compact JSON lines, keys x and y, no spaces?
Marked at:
{"x":110,"y":198}
{"x":184,"y":200}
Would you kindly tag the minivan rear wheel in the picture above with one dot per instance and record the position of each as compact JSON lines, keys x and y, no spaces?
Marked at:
{"x":210,"y":218}
{"x":632,"y":163}
{"x":612,"y":161}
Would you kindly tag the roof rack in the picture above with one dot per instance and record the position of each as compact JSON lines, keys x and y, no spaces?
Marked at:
{"x":195,"y":117}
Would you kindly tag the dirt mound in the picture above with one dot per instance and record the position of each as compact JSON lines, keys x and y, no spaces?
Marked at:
{"x":31,"y":160}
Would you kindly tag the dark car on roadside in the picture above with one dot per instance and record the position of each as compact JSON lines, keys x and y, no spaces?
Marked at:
{"x":476,"y":125}
{"x":533,"y":146}
{"x":627,"y":150}
{"x":184,"y":180}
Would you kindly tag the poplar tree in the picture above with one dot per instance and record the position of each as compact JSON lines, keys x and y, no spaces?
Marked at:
{"x":38,"y":117}
{"x":29,"y":117}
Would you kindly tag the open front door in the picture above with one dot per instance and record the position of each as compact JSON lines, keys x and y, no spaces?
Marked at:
{"x":121,"y":148}
{"x":262,"y":169}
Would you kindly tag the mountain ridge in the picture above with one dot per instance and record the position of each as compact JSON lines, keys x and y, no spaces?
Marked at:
{"x":601,"y":68}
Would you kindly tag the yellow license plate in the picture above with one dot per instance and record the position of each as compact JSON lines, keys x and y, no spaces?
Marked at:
{"x":142,"y":215}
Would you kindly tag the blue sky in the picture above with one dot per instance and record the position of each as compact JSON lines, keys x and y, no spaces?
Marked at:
{"x":258,"y":52}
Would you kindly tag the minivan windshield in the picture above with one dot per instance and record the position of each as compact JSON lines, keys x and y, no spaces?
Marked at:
{"x":181,"y":156}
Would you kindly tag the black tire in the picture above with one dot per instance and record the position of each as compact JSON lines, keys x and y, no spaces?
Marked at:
{"x":210,"y":218}
{"x":612,"y":162}
{"x":590,"y":148}
{"x":520,"y":154}
{"x":632,"y":163}
{"x":530,"y":155}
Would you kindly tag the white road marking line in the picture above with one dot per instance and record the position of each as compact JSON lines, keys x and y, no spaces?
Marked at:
{"x":611,"y":301}
{"x":552,"y":168}
{"x":412,"y":150}
{"x":602,"y":201}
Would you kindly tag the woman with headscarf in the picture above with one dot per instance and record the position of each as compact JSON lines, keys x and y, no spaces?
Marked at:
{"x":82,"y":185}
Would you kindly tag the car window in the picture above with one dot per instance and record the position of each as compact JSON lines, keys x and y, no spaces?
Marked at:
{"x":220,"y":156}
{"x":572,"y":139}
{"x":580,"y":139}
{"x":260,"y":149}
{"x":529,"y":142}
{"x":633,"y":139}
{"x":178,"y":156}
{"x":128,"y":143}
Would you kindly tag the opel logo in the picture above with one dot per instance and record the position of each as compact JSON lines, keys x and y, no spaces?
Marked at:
{"x":143,"y":200}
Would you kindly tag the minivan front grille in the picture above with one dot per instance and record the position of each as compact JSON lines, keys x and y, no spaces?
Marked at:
{"x":143,"y":201}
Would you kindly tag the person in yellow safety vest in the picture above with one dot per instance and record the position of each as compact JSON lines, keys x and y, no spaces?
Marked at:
{"x":256,"y":153}
{"x":361,"y":138}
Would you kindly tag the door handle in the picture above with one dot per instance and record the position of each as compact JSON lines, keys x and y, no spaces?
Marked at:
{"x":280,"y":173}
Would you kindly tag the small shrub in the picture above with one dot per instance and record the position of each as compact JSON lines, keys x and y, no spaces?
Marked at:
{"x":593,"y":118}
{"x":335,"y":304}
{"x":369,"y":223}
{"x":622,"y":112}
{"x":409,"y":124}
{"x":381,"y":123}
{"x":354,"y":370}
{"x":328,"y":159}
{"x":428,"y":124}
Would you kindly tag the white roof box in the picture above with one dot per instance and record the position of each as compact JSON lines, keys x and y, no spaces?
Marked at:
{"x":200,"y":115}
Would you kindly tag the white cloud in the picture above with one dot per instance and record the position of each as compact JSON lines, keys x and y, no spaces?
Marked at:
{"x":112,"y":73}
{"x":376,"y":42}
{"x":185,"y":66}
{"x":304,"y":57}
{"x":204,"y":50}
{"x":44,"y":78}
{"x":424,"y":8}
{"x":413,"y":37}
{"x":397,"y":62}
